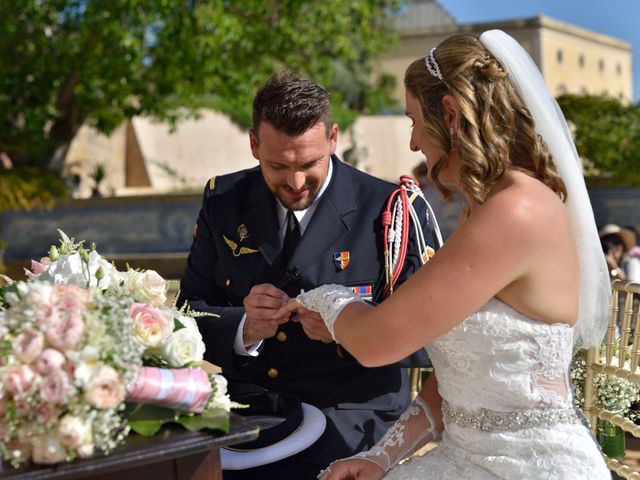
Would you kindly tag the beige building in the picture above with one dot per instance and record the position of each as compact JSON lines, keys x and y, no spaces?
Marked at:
{"x":572,"y":59}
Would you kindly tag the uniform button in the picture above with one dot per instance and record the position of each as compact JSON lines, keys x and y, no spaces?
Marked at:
{"x":272,"y":373}
{"x":281,"y":336}
{"x":227,"y":282}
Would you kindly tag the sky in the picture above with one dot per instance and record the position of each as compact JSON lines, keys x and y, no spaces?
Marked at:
{"x":616,"y":18}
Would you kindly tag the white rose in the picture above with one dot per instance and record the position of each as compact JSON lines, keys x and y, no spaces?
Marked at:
{"x":39,"y":293}
{"x":147,"y":287}
{"x":73,"y":432}
{"x":48,"y":450}
{"x":86,"y":450}
{"x":188,"y":322}
{"x":183,"y":347}
{"x":84,"y":373}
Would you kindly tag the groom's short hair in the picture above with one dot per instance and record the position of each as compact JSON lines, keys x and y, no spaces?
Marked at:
{"x":291,"y":104}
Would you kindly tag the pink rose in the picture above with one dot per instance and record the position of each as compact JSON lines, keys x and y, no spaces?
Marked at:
{"x":55,"y":387}
{"x":46,"y":314}
{"x":106,"y":389}
{"x":22,"y":407}
{"x":150,"y":326}
{"x":19,"y":380}
{"x":71,"y":297}
{"x":28,"y":345}
{"x":73,"y":432}
{"x":45,"y":412}
{"x":50,"y":360}
{"x":67,"y":332}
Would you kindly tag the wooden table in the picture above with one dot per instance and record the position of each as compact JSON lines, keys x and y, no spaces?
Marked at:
{"x":172,"y":454}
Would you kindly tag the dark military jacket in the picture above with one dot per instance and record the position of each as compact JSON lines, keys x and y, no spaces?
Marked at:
{"x":237,"y":245}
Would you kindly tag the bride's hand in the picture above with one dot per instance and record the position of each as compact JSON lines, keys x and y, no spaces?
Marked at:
{"x":288,"y":309}
{"x":352,"y":469}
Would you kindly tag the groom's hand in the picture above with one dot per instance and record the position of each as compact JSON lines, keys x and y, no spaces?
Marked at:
{"x":260,"y":305}
{"x":312,"y":323}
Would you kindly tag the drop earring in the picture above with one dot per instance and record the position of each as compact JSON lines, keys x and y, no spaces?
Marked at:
{"x":451,"y":137}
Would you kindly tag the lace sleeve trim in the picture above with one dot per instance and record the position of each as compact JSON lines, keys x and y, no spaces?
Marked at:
{"x":328,"y":301}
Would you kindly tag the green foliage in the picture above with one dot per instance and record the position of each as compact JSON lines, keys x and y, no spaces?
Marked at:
{"x":29,"y":188}
{"x":65,"y":63}
{"x":607,"y":136}
{"x":147,"y":420}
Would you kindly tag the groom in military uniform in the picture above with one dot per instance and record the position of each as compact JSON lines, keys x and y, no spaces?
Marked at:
{"x":300,"y":219}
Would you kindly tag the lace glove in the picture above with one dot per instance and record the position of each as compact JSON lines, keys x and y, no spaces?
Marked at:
{"x":328,"y":301}
{"x":414,"y":429}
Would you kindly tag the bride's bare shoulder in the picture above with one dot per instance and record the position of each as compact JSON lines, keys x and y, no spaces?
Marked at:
{"x":525,"y":206}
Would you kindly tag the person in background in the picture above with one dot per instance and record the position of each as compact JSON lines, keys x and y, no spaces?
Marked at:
{"x":631,"y":261}
{"x":616,"y":243}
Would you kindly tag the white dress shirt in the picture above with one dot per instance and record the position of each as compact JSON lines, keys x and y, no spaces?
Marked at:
{"x":303,"y":217}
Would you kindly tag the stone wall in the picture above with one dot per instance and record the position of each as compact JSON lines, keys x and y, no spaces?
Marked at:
{"x":156,"y":231}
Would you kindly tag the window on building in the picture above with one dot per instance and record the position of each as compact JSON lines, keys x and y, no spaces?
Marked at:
{"x":584,"y":91}
{"x":559,"y":56}
{"x":619,"y":69}
{"x":581,"y":60}
{"x":601,"y":65}
{"x":561,"y":90}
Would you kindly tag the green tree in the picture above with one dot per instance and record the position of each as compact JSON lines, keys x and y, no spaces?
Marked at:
{"x":607,"y":136}
{"x":66,"y":63}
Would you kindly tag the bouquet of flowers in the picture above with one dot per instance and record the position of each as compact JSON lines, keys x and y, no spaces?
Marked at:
{"x":89,"y":352}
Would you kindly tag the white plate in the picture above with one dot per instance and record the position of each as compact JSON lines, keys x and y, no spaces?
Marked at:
{"x":313,"y":424}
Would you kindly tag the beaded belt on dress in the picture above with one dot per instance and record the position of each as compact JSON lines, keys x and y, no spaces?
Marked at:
{"x":491,"y":420}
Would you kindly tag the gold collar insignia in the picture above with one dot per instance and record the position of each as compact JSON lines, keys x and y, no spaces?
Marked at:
{"x":243,"y":232}
{"x":234,"y":248}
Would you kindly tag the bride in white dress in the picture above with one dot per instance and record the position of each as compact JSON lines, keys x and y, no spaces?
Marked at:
{"x":501,"y":306}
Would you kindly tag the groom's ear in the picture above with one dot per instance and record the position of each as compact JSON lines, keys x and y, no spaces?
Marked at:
{"x":451,"y":111}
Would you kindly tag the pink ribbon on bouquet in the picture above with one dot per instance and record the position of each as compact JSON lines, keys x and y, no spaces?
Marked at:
{"x":185,"y":389}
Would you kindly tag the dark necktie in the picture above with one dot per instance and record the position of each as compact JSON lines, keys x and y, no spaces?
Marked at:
{"x":291,"y":237}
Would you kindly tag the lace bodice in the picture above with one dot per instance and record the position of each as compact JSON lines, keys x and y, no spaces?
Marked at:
{"x":501,"y":360}
{"x":507,"y":404}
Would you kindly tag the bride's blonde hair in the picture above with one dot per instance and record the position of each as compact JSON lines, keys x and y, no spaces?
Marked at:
{"x":496,"y":131}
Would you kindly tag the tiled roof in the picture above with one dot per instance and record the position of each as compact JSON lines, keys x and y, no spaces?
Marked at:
{"x":419,"y":14}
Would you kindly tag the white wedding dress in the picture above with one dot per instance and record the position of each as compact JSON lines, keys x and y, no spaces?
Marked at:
{"x":507,"y":407}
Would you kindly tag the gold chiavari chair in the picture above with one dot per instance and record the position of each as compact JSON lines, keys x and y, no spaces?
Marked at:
{"x":624,"y":318}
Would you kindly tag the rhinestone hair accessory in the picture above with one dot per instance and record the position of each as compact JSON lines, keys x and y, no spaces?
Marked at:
{"x":432,"y":64}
